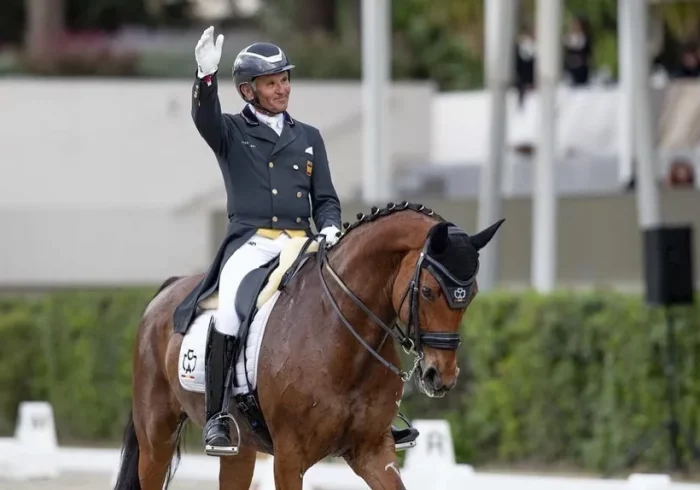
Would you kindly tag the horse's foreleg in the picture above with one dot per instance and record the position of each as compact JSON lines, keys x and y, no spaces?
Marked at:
{"x":236,"y":472}
{"x":289,"y":468}
{"x":377,"y":465}
{"x":156,"y":451}
{"x":156,"y":426}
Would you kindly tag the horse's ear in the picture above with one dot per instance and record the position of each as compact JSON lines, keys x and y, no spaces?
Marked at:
{"x":439,"y":238}
{"x":481,"y":239}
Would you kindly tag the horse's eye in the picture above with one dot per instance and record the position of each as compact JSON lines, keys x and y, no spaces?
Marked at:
{"x":427,"y":293}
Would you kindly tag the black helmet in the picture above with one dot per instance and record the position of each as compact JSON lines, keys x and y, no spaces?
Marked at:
{"x":256,"y":60}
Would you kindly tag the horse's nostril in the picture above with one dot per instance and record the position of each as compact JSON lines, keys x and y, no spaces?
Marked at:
{"x":431,"y":374}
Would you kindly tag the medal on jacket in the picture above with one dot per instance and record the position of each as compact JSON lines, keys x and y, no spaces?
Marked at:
{"x":309,"y":167}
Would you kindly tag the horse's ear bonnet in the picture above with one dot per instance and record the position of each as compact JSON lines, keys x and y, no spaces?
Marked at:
{"x":453,"y":261}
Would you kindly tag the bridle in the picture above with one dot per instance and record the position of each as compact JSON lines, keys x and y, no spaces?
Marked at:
{"x":413,"y":338}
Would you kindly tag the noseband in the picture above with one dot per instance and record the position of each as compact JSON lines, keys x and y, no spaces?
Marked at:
{"x":413,"y":338}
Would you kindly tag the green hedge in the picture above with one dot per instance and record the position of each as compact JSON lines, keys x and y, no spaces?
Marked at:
{"x":569,"y":378}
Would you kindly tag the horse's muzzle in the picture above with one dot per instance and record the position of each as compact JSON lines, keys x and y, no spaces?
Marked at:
{"x":434,"y":384}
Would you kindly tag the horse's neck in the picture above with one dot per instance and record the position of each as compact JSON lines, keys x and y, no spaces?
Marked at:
{"x":370,"y":260}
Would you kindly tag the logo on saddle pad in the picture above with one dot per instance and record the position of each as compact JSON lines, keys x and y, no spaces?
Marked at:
{"x":189,"y":361}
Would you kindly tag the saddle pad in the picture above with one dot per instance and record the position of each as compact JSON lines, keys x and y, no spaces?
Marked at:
{"x":192,"y":350}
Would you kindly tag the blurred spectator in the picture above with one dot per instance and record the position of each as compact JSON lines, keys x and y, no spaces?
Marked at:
{"x":525,"y":63}
{"x":689,"y":66}
{"x":578,"y":51}
{"x":681,"y":174}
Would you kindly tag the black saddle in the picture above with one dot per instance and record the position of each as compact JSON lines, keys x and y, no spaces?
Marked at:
{"x":249,"y":290}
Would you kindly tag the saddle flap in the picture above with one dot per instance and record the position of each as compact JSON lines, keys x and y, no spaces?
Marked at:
{"x":250,"y":287}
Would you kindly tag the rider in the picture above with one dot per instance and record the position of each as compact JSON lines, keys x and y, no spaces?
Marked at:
{"x":276,"y":176}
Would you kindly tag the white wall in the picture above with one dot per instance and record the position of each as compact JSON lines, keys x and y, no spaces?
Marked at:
{"x":132,"y":143}
{"x":100,"y":179}
{"x":100,"y":247}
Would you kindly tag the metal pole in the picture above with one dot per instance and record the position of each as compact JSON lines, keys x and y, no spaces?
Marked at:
{"x":625,"y":94}
{"x":500,"y":36}
{"x":375,"y":99}
{"x":544,"y":200}
{"x":648,"y":208}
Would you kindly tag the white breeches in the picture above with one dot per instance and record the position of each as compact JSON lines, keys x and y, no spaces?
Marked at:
{"x":255,"y":252}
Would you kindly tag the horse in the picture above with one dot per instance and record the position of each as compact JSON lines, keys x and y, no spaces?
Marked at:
{"x":328,"y":373}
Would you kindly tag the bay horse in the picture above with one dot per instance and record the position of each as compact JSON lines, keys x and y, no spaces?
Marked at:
{"x":328,"y":381}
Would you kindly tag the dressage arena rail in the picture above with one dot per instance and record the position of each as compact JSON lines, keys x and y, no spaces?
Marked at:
{"x":431,"y":464}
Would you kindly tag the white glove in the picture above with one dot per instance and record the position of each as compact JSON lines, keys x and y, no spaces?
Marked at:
{"x":207,"y":53}
{"x":332,"y":234}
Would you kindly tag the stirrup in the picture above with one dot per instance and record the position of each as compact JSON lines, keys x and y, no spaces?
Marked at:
{"x":406,"y":445}
{"x":412,"y":432}
{"x":231,"y":450}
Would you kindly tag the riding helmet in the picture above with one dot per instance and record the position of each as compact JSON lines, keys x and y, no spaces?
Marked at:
{"x":256,"y":60}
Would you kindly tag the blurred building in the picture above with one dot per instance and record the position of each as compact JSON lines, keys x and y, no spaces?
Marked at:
{"x":106,"y":181}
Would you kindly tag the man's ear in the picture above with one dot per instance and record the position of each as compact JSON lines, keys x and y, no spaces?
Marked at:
{"x":247,"y":91}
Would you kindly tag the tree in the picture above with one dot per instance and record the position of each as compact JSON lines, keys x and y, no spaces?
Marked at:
{"x":316,"y":15}
{"x":44,"y":26}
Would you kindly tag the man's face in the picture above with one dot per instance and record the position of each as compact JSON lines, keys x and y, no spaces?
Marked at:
{"x":273,"y":91}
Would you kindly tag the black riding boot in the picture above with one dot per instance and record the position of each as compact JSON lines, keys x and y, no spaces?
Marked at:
{"x":219,"y":360}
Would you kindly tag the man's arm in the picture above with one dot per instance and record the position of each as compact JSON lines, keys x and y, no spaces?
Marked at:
{"x":324,"y":199}
{"x":206,"y":108}
{"x":215,"y":128}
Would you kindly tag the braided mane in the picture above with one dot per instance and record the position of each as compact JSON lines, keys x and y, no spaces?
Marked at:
{"x":390,"y":208}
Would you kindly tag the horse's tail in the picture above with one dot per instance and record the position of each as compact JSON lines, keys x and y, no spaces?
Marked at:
{"x":128,"y":477}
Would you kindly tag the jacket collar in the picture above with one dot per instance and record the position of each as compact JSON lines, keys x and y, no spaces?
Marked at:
{"x":252,"y":120}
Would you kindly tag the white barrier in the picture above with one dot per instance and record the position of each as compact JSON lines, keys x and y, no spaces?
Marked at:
{"x":432,"y":463}
{"x":34,"y":454}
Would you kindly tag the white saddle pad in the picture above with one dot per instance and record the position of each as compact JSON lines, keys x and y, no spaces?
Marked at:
{"x":192,"y":351}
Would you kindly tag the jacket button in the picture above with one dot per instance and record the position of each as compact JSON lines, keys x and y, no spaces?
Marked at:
{"x":296,"y":167}
{"x":299,"y":194}
{"x":274,"y":219}
{"x":271,"y":164}
{"x":274,"y":191}
{"x":298,"y":220}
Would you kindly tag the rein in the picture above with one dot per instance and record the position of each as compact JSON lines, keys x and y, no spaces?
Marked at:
{"x":410,"y":340}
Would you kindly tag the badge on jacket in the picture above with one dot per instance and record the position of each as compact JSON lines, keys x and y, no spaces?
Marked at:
{"x":309,"y":167}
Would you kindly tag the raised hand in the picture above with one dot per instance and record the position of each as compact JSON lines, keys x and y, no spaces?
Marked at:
{"x":207,"y":53}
